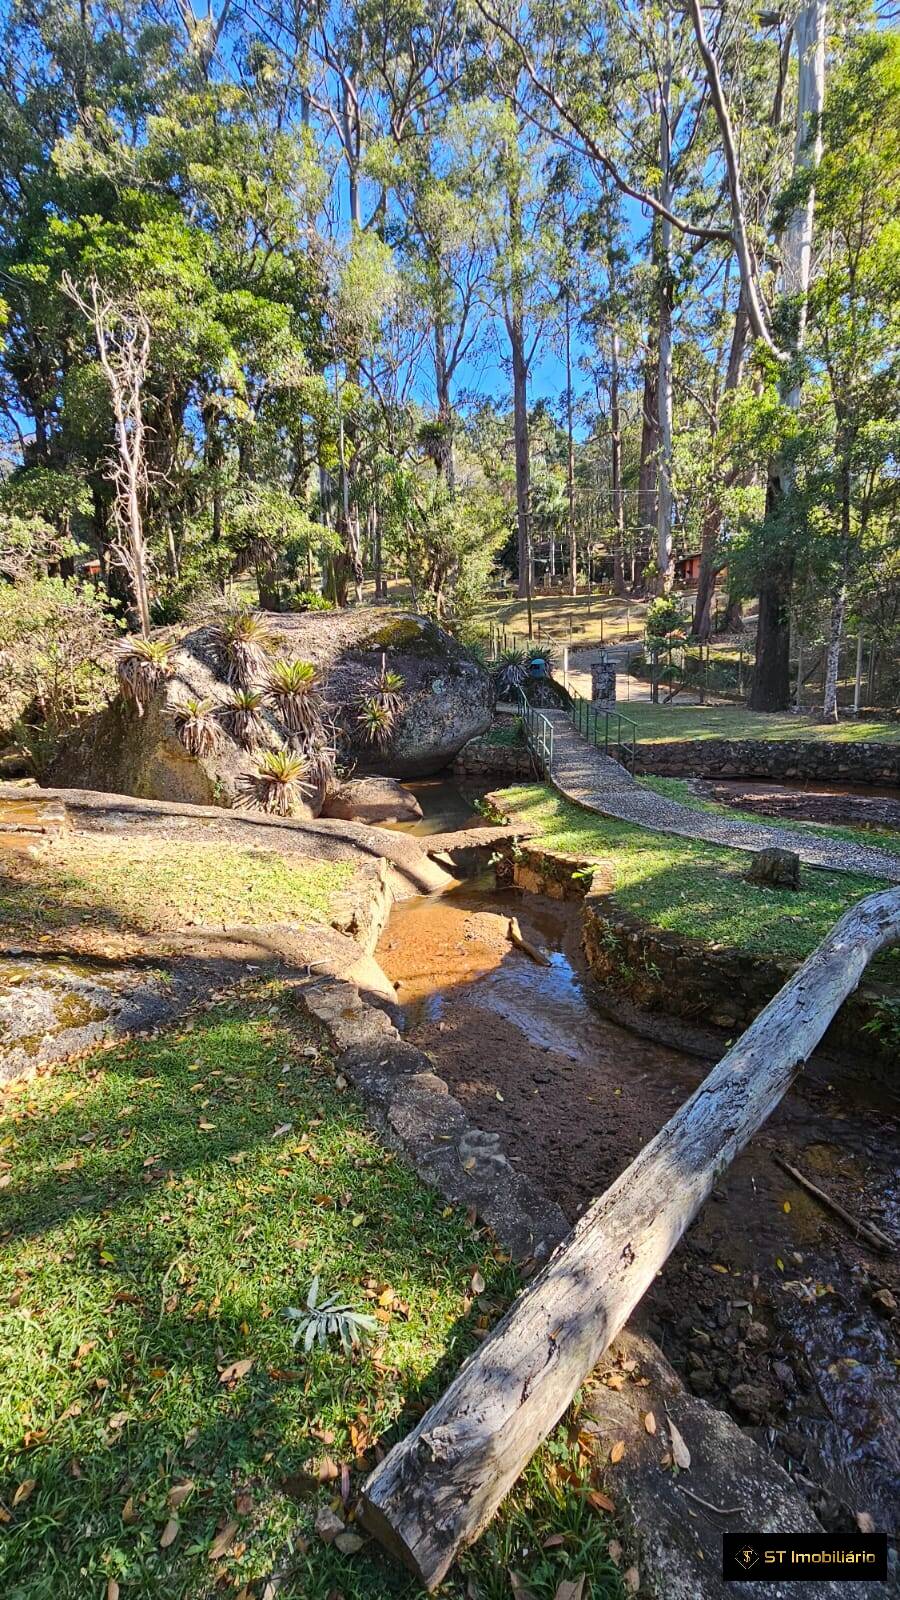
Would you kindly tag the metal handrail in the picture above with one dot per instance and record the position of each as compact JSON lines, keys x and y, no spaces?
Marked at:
{"x":594,"y":726}
{"x":538,"y":733}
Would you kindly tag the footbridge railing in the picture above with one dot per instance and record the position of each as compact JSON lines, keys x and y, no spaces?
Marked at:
{"x":608,"y":730}
{"x":538,"y":733}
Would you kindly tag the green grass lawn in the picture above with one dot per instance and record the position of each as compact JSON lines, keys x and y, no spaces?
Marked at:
{"x":161,"y":1204}
{"x":656,"y":724}
{"x":679,"y":789}
{"x":146,"y":884}
{"x":692,"y":888}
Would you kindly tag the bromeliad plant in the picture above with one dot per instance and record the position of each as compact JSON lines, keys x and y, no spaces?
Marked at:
{"x":142,"y":666}
{"x":197,"y":728}
{"x":511,"y":674}
{"x":242,"y":717}
{"x":245,"y":642}
{"x":279,"y":784}
{"x":324,"y":1319}
{"x":375,"y":721}
{"x":292,"y":689}
{"x":379,"y":706}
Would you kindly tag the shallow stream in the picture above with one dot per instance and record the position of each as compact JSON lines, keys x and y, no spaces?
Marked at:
{"x":575,"y":1097}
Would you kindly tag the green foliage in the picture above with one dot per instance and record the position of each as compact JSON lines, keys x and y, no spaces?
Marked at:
{"x":292,"y":688}
{"x":56,"y":640}
{"x":246,"y":641}
{"x":664,"y":616}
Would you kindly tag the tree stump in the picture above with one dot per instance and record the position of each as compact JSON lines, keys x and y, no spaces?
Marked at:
{"x":779,"y":869}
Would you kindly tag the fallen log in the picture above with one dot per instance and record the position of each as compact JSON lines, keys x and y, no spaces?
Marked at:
{"x":438,"y":1488}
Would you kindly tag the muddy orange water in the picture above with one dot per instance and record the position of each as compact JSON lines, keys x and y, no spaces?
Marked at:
{"x":575,"y":1097}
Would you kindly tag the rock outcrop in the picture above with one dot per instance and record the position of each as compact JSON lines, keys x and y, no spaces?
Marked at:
{"x":444,"y":701}
{"x":372,"y":800}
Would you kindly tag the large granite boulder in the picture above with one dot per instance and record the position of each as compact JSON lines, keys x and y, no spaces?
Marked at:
{"x":372,"y":800}
{"x":444,"y":701}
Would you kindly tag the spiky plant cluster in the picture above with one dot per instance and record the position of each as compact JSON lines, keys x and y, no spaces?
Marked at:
{"x":197,"y":728}
{"x":142,"y":665}
{"x":292,"y":689}
{"x":376,"y":722}
{"x":321,"y":762}
{"x":545,"y":652}
{"x":242,"y":717}
{"x":511,"y":674}
{"x":324,"y":1319}
{"x":278,"y":785}
{"x":245,"y":642}
{"x":379,"y":706}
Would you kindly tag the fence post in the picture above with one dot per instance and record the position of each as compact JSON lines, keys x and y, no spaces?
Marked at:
{"x":565,"y":666}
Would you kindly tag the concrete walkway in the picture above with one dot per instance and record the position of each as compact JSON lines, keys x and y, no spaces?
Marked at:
{"x":584,"y":774}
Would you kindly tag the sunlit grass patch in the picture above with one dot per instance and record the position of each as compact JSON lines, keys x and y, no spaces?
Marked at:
{"x":162,"y":1204}
{"x":693,"y":888}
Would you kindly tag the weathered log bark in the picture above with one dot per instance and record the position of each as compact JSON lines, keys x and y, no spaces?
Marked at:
{"x":437,"y":1489}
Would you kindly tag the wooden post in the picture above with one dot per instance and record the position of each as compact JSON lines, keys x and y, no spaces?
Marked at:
{"x":565,"y":666}
{"x":438,"y":1488}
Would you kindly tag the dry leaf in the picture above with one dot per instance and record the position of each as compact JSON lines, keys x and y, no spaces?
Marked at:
{"x":680,"y":1452}
{"x":128,"y":1512}
{"x":478,"y":1283}
{"x":25,"y":1490}
{"x":570,"y":1589}
{"x":235,"y":1370}
{"x":178,"y":1494}
{"x":632,"y":1580}
{"x":554,"y":1542}
{"x":223,"y":1541}
{"x":519,"y":1587}
{"x":615,"y":1552}
{"x":206,"y":1127}
{"x":865,"y":1522}
{"x":600,"y":1501}
{"x":617,"y":1451}
{"x":650,"y":1422}
{"x":169,"y":1533}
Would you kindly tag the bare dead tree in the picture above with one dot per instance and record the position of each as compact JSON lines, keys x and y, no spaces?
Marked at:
{"x":122,"y":333}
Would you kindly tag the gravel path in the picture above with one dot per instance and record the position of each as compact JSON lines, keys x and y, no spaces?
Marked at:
{"x":584,"y":774}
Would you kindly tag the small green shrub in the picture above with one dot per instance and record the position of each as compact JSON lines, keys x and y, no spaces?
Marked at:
{"x":292,"y":688}
{"x":664,"y":616}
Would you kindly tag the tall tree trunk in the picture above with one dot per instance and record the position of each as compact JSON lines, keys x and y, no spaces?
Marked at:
{"x":701,"y":626}
{"x":618,"y":498}
{"x":664,"y":351}
{"x":648,"y":477}
{"x":520,"y":430}
{"x":443,"y":455}
{"x":515,"y":323}
{"x":771,"y":686}
{"x":570,"y":453}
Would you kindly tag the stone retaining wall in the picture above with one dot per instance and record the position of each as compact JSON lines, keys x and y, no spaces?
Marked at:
{"x":783,"y":759}
{"x":671,"y":975}
{"x":481,"y":759}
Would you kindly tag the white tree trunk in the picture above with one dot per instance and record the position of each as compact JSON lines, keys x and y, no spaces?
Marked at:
{"x":833,"y":654}
{"x":797,"y":244}
{"x":437,"y":1489}
{"x":664,"y":364}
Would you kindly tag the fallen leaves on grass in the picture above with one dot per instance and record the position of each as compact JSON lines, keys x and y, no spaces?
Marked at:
{"x":570,"y":1589}
{"x":170,"y":1533}
{"x":600,"y":1501}
{"x":236,"y":1370}
{"x":223,"y":1541}
{"x":178,"y":1494}
{"x":617,"y":1451}
{"x":24,"y":1492}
